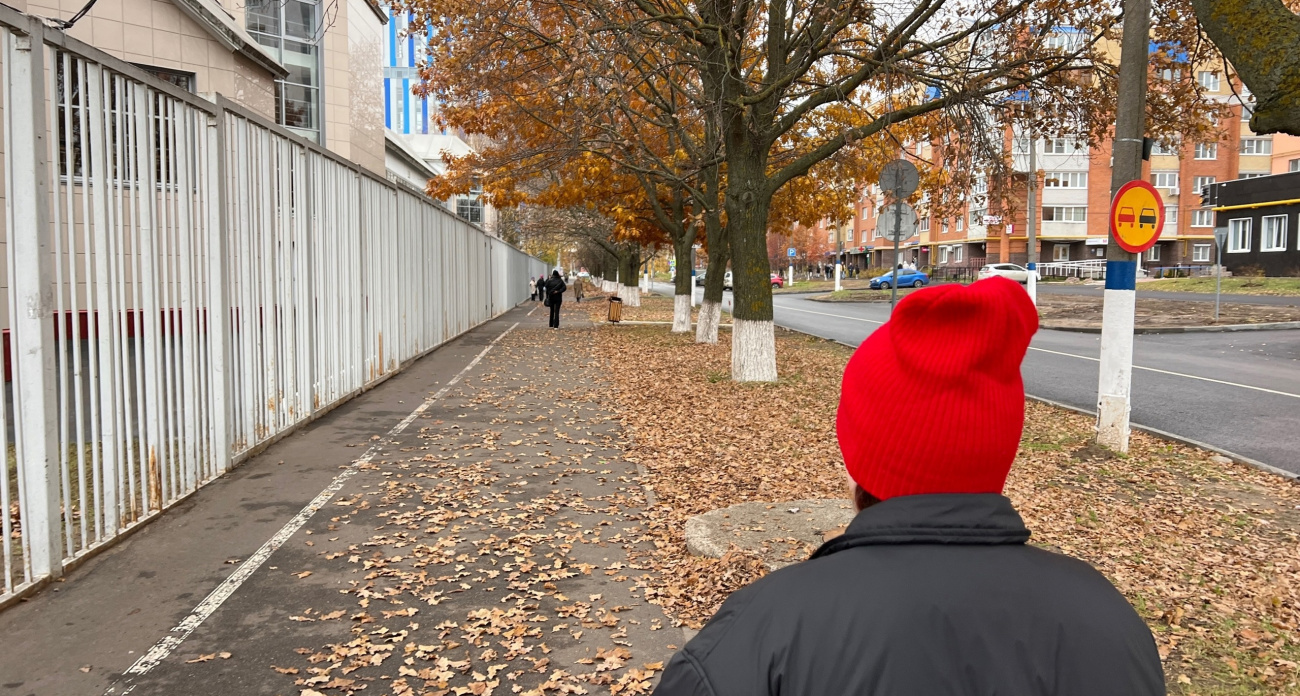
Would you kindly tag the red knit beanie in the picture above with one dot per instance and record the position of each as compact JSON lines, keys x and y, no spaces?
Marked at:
{"x":933,"y":402}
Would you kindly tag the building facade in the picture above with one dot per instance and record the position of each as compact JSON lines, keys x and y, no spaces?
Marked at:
{"x":1260,"y":216}
{"x":411,"y":119}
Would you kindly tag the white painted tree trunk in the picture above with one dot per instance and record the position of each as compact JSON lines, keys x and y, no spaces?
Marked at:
{"x":707,"y":330}
{"x":633,"y":297}
{"x":753,"y":351}
{"x":681,"y":313}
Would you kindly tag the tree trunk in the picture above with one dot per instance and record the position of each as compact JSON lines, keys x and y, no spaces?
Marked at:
{"x":753,"y":341}
{"x":1259,"y":38}
{"x":711,"y":308}
{"x":683,"y":283}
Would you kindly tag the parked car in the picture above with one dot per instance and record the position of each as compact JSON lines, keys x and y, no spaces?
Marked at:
{"x":777,"y":281}
{"x":699,"y":278}
{"x":906,"y":278}
{"x":1020,"y":274}
{"x":726,"y":281}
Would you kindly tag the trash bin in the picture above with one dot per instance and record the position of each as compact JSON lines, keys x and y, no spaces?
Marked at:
{"x":615,"y":310}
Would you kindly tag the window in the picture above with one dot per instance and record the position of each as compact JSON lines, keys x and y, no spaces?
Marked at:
{"x":290,"y":29}
{"x":1207,"y":151}
{"x":1153,"y":254}
{"x":179,"y":78}
{"x":1171,"y":74}
{"x":925,"y":224}
{"x":1247,"y":110}
{"x":943,"y":254}
{"x":1171,"y":215}
{"x":1066,"y":180}
{"x":1256,"y":146}
{"x":1160,"y":148}
{"x":1203,"y":217}
{"x":944,"y":227}
{"x":1273,"y":233}
{"x":470,"y":209}
{"x":980,"y":186}
{"x":977,"y":216}
{"x":1059,"y":40}
{"x":1239,"y":235}
{"x":961,"y":223}
{"x":1251,"y":175}
{"x":1208,"y":79}
{"x":1060,"y":252}
{"x":1167,"y":180}
{"x":830,"y":236}
{"x":1201,"y":183}
{"x":1201,"y":253}
{"x":1293,"y":165}
{"x":848,"y":234}
{"x":1061,"y":146}
{"x":957,"y":253}
{"x":1065,"y":213}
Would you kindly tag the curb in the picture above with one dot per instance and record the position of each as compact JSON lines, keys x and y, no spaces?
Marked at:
{"x":1226,"y":328}
{"x":1178,"y":439}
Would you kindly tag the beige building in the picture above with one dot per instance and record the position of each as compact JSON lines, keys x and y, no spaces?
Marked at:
{"x":314,"y":68}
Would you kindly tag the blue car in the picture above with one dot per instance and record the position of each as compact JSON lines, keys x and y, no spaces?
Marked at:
{"x":906,"y":279}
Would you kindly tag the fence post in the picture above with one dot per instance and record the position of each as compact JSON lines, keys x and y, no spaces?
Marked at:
{"x":218,"y":308}
{"x":33,"y":288}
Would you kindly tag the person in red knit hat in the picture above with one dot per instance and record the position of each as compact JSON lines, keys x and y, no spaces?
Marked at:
{"x":932,"y":589}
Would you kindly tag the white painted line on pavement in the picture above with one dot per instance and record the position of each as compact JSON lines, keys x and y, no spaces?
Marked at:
{"x":164,"y":647}
{"x":1175,"y":374}
{"x":1085,"y":357}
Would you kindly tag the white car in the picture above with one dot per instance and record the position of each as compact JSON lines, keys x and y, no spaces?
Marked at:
{"x":1020,"y":274}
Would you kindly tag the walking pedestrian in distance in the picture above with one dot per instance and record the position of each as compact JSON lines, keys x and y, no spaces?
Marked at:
{"x":577,"y":290}
{"x":555,"y":288}
{"x":541,"y":288}
{"x":932,"y":588}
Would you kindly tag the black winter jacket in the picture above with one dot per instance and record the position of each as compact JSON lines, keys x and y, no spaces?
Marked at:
{"x":924,"y":595}
{"x":555,"y":288}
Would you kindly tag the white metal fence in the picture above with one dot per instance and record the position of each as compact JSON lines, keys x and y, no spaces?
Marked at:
{"x":185,"y":281}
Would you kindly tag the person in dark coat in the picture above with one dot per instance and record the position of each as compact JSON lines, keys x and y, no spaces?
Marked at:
{"x":932,"y":589}
{"x":555,"y":288}
{"x":540,"y":295}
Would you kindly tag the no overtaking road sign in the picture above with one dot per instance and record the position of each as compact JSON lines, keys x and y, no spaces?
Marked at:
{"x":1137,"y":215}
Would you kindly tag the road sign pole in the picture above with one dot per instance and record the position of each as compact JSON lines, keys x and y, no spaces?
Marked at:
{"x":1115,"y":379}
{"x":1031,"y":241}
{"x":898,"y":232}
{"x":1218,"y":281}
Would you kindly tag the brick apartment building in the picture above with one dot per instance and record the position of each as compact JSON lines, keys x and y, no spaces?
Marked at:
{"x":1073,"y":200}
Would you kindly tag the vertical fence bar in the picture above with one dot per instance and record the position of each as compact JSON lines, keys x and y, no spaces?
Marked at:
{"x":218,"y":315}
{"x":32,"y":284}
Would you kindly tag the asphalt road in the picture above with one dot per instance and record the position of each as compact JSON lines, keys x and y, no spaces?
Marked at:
{"x":1239,"y":392}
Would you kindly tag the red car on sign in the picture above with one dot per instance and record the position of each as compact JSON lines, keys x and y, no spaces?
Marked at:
{"x":1126,"y":215}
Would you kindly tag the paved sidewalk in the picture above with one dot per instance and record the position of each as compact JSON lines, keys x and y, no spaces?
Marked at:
{"x":484,"y":549}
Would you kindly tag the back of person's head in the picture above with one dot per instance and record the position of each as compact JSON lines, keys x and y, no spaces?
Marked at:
{"x":933,"y":401}
{"x":555,"y":274}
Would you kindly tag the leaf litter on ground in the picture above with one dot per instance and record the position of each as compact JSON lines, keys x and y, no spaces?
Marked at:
{"x":1205,"y":549}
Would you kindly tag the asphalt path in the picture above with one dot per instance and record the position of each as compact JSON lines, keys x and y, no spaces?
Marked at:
{"x":1239,"y":392}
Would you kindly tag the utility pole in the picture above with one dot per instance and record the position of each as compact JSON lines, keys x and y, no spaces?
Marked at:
{"x":1115,"y":382}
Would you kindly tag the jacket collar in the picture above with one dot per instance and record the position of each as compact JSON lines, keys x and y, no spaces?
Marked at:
{"x":947,"y":518}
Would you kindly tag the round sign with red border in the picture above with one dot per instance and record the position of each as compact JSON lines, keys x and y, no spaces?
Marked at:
{"x":1137,"y":216}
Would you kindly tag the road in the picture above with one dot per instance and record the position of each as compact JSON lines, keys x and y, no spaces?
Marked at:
{"x":1239,"y":392}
